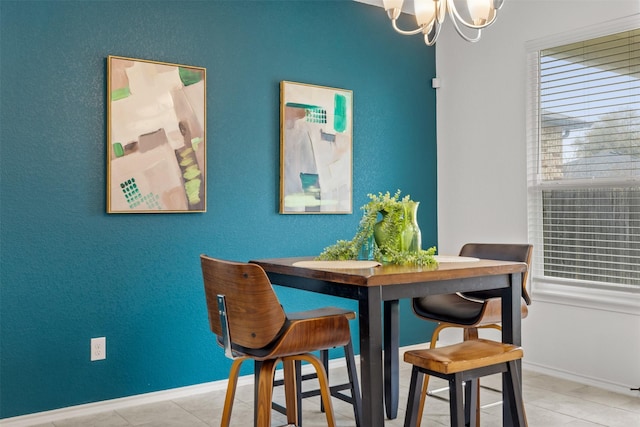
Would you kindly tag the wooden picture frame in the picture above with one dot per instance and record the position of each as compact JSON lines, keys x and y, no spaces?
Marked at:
{"x":156,"y":137}
{"x":316,"y":152}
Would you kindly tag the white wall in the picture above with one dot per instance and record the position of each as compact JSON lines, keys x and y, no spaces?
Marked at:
{"x":482,"y":179}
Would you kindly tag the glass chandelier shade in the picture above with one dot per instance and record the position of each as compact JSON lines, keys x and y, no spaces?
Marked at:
{"x":430,"y":14}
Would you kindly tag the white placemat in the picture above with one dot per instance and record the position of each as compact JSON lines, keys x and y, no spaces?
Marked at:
{"x":454,"y":258}
{"x":337,"y":264}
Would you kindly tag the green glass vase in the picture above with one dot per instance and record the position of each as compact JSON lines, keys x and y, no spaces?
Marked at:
{"x":411,"y":236}
{"x":380,"y":234}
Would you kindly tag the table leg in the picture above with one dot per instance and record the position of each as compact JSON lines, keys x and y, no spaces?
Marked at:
{"x":369,"y":320}
{"x":391,"y":358}
{"x":511,"y":333}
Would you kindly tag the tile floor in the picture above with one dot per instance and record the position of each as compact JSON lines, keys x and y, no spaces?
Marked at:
{"x":549,"y":402}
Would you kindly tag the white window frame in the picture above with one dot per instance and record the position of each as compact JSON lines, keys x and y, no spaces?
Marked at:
{"x":562,"y":291}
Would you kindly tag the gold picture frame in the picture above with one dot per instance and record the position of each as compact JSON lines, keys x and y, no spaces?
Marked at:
{"x":316,"y":149}
{"x":156,"y":137}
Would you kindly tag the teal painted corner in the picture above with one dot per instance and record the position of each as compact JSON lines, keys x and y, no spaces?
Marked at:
{"x":70,"y":272}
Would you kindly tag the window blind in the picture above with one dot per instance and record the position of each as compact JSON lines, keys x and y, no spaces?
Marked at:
{"x":584,"y":160}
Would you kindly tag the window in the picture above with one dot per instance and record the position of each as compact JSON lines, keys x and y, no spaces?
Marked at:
{"x":584,"y":160}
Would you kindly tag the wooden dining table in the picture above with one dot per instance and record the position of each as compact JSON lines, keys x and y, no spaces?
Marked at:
{"x":378,"y":290}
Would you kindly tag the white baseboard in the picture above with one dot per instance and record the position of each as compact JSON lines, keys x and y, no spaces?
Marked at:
{"x":115,"y":404}
{"x":141,"y":399}
{"x":579,"y":378}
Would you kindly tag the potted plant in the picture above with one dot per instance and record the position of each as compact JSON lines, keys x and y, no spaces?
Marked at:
{"x":389,"y":233}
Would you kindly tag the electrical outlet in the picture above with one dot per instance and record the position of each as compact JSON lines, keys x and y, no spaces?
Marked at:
{"x":98,"y":348}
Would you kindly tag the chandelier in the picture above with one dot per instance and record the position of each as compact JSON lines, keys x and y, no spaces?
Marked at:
{"x":430,"y":15}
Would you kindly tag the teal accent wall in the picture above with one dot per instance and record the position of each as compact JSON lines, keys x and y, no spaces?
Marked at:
{"x":70,"y":272}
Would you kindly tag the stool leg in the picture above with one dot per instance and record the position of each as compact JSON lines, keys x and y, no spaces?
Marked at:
{"x":423,"y":398}
{"x":324,"y":358}
{"x":298,"y":365}
{"x":264,"y":393}
{"x":477,"y":411}
{"x":413,"y":401}
{"x":324,"y":386}
{"x":425,"y":385}
{"x":456,"y":404}
{"x":467,"y":335}
{"x":292,"y":390}
{"x":231,"y":391}
{"x":356,"y":399}
{"x":471,"y":402}
{"x":514,"y":390}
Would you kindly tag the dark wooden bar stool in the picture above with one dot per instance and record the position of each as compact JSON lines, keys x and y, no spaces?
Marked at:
{"x":472,"y":311}
{"x":464,"y":363}
{"x":250,"y":324}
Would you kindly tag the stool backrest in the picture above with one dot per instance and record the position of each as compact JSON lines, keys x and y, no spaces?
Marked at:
{"x":254,"y":314}
{"x":501,"y":252}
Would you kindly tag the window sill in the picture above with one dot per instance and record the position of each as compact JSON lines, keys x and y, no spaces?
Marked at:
{"x":574,"y":294}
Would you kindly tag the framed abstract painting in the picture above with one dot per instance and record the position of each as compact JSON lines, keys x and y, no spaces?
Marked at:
{"x":315,"y":149}
{"x":156,"y":137}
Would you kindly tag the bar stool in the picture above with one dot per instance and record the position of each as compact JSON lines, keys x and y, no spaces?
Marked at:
{"x":461,"y":365}
{"x":250,"y":324}
{"x":472,"y":310}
